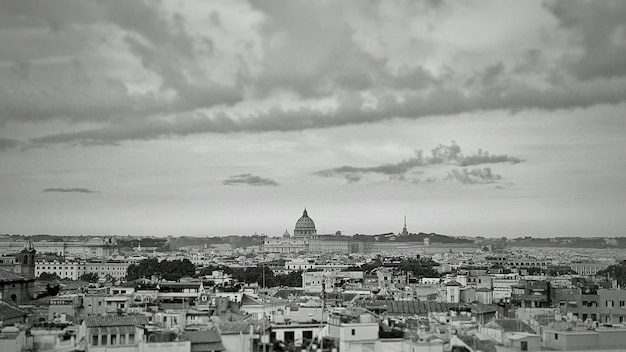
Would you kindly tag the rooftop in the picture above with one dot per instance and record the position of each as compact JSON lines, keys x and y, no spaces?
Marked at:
{"x":7,"y":311}
{"x":8,"y":276}
{"x":114,"y":320}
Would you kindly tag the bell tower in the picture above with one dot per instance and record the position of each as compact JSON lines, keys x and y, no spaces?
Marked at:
{"x":26,"y":258}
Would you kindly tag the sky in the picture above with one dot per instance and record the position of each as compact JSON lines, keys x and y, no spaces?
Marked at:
{"x":206,"y":118}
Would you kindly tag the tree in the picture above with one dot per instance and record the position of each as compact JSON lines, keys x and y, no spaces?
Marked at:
{"x":293,"y":279}
{"x":615,"y":272}
{"x":52,"y":290}
{"x":168,"y":270}
{"x":420,"y":267}
{"x":367,"y":267}
{"x":90,"y":277}
{"x":48,"y":277}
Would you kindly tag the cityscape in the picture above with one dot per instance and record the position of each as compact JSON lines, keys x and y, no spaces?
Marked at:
{"x":312,"y":176}
{"x":309,"y":291}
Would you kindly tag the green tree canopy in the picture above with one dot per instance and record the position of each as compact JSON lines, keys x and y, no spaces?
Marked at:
{"x":165,"y":269}
{"x":90,"y":277}
{"x":48,"y":276}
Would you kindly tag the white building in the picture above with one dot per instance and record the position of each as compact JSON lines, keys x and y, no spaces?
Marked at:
{"x":299,"y":264}
{"x":302,"y":233}
{"x":314,"y":280}
{"x":354,"y":330}
{"x":73,"y":270}
{"x":65,"y":270}
{"x":94,"y":247}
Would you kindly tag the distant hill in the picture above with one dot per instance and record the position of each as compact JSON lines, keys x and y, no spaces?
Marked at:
{"x":233,"y":240}
{"x":412,"y":237}
{"x":569,"y":242}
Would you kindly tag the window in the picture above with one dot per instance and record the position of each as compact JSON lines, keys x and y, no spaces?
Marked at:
{"x":131,"y":339}
{"x":524,"y":345}
{"x":307,"y":334}
{"x":289,"y":336}
{"x":103,"y":340}
{"x":621,"y":303}
{"x":609,"y":303}
{"x":113,"y":339}
{"x":556,"y":336}
{"x":353,"y":332}
{"x":122,"y":339}
{"x":94,"y":340}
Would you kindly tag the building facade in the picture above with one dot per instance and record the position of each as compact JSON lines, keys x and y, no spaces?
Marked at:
{"x":21,"y":262}
{"x":95,"y":247}
{"x":299,"y":242}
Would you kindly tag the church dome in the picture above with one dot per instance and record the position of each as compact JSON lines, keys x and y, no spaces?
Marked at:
{"x":305,"y":227}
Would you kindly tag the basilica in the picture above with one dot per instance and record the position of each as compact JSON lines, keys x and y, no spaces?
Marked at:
{"x":299,"y":242}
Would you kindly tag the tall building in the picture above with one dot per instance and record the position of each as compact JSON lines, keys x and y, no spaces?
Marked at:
{"x":404,"y":232}
{"x":22,"y":263}
{"x":17,"y":275}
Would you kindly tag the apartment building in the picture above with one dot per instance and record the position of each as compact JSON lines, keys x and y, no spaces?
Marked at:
{"x":73,"y":270}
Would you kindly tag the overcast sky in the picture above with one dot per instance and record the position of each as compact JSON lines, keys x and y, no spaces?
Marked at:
{"x":492,"y":118}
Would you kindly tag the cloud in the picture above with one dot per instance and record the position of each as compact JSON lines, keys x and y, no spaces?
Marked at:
{"x":473,"y":176}
{"x":408,"y":169}
{"x":483,"y":157}
{"x":249,"y":180}
{"x":159,"y":70}
{"x":441,"y":102}
{"x":598,"y":29}
{"x":8,"y":143}
{"x":69,"y":190}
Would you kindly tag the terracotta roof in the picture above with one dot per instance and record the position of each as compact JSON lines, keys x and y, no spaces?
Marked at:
{"x":8,"y":276}
{"x":411,"y":307}
{"x":7,"y":311}
{"x":285,"y":293}
{"x":513,"y":325}
{"x":115,"y":320}
{"x":203,"y":336}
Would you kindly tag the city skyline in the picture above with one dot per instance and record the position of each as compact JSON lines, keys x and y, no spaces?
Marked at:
{"x":490,"y":118}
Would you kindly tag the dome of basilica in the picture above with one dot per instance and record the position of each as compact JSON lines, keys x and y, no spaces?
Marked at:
{"x":305,"y":227}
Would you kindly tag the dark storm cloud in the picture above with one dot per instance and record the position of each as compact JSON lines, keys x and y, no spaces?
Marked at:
{"x":249,"y":180}
{"x":69,"y":190}
{"x":599,"y":29}
{"x":8,"y":143}
{"x":440,"y":155}
{"x":441,"y":101}
{"x":160,"y":42}
{"x":308,"y":49}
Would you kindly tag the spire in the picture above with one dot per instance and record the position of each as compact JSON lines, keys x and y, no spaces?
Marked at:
{"x":405,"y":232}
{"x":305,"y":213}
